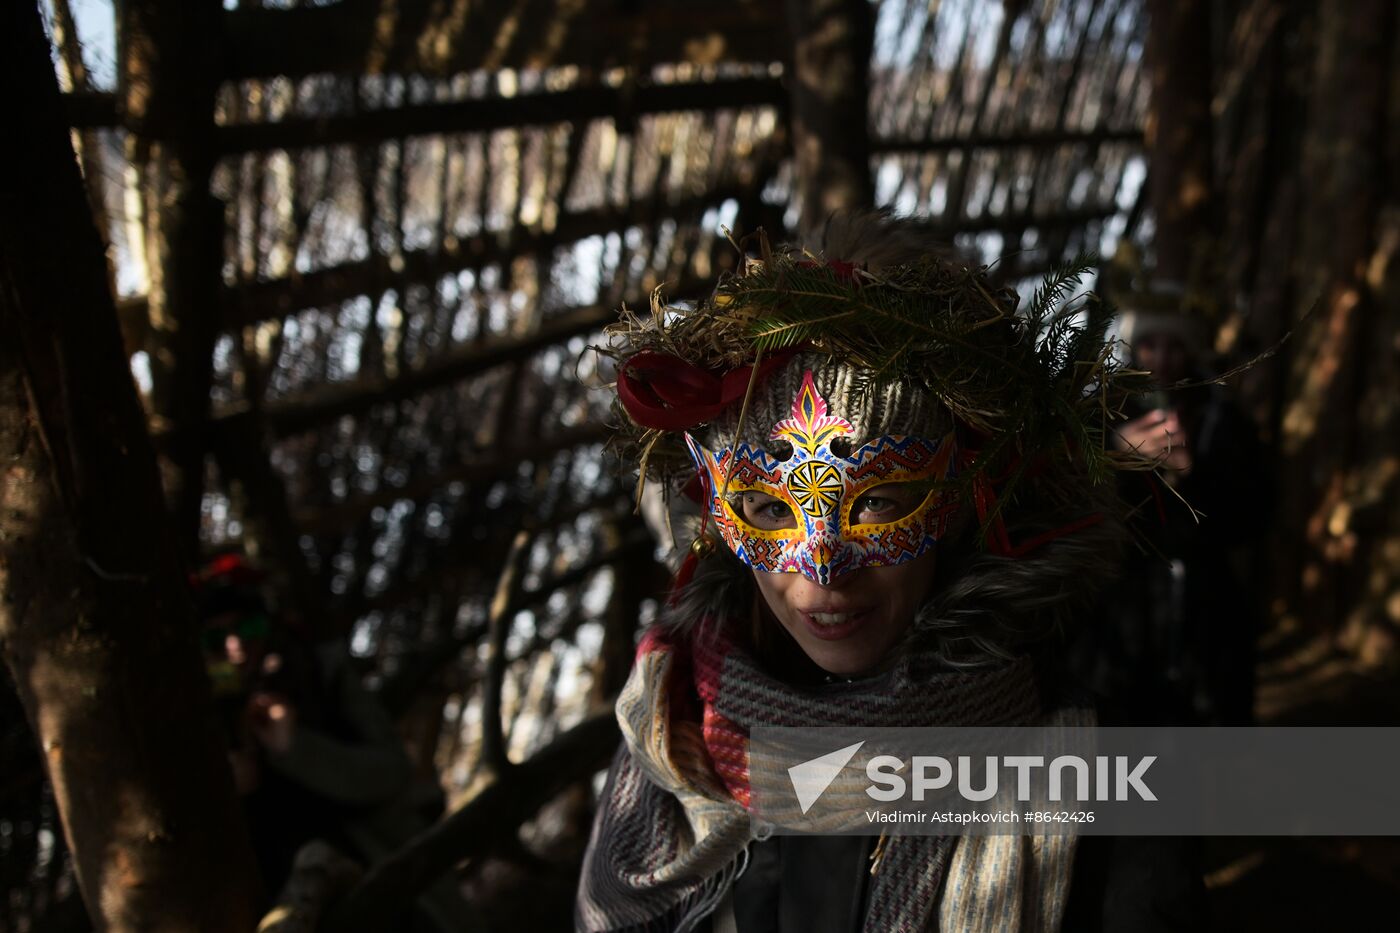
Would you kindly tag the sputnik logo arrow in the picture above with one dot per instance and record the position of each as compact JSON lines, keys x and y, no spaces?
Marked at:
{"x":811,"y":778}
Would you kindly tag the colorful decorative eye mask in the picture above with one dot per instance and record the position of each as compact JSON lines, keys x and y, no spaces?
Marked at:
{"x":822,"y":489}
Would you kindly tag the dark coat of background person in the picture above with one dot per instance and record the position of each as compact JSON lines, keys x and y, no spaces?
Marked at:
{"x":1174,"y":638}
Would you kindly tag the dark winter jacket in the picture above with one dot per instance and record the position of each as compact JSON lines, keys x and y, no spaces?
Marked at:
{"x":817,"y":884}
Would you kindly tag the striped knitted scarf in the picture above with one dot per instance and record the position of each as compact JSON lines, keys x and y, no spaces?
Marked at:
{"x":674,"y":825}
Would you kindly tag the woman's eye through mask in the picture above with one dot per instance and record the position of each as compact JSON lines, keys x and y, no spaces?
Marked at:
{"x":763,"y":511}
{"x":881,"y":504}
{"x":821,"y":511}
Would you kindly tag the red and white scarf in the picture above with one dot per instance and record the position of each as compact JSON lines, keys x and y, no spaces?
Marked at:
{"x":675,"y":823}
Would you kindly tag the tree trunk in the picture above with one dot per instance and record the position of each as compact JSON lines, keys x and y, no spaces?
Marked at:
{"x":1178,"y":132}
{"x":169,"y":77}
{"x":830,"y":88}
{"x":1339,"y":427}
{"x":94,"y":613}
{"x":1309,"y":119}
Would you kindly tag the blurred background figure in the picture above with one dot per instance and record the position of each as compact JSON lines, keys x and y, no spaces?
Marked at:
{"x":313,"y":754}
{"x":1175,"y":639}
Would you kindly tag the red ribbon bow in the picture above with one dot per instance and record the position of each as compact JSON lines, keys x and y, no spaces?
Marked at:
{"x":665,"y":392}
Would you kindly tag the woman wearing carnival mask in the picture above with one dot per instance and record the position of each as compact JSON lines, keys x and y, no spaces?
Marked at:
{"x":904,"y":502}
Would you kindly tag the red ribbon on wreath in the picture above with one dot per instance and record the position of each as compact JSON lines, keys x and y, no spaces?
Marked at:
{"x":667,"y":393}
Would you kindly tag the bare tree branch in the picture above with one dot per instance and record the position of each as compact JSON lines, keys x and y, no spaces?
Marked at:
{"x":503,"y":610}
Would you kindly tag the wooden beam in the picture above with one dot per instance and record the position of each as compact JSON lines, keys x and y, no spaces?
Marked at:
{"x":248,"y":303}
{"x":576,"y":105}
{"x":1041,"y":139}
{"x":337,"y":519}
{"x":168,"y":79}
{"x":1179,"y":132}
{"x":830,"y":87}
{"x":317,"y":406}
{"x":417,"y":668}
{"x":990,"y":75}
{"x":479,"y":826}
{"x":351,"y":37}
{"x":321,"y":875}
{"x":634,"y":581}
{"x":501,"y":618}
{"x":1058,"y":220}
{"x":457,"y":565}
{"x":310,"y":409}
{"x":636,"y":543}
{"x":254,"y":302}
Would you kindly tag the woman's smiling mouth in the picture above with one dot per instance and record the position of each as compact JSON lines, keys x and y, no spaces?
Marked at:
{"x":833,"y":626}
